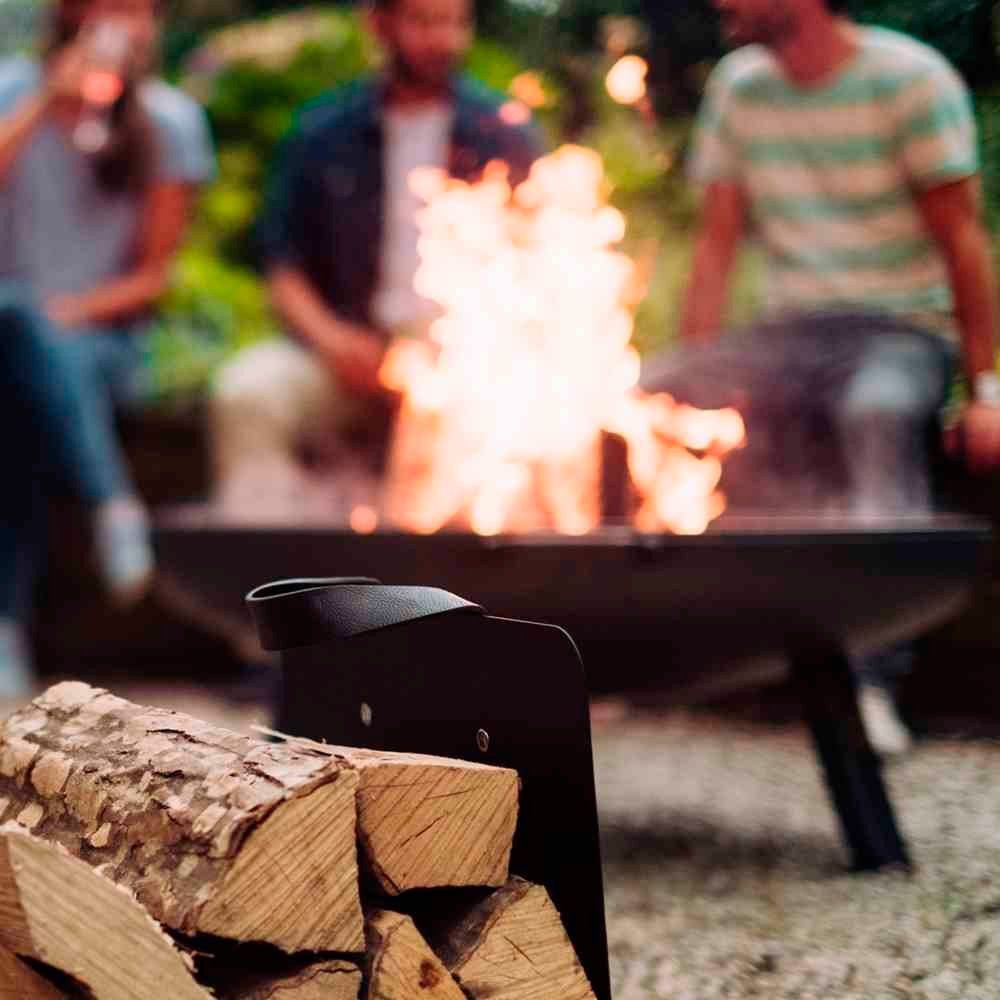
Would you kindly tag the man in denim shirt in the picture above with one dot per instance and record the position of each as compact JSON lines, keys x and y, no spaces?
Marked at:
{"x":339,"y":242}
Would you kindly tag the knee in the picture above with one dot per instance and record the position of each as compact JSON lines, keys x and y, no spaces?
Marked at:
{"x":892,"y":399}
{"x":253,"y":385}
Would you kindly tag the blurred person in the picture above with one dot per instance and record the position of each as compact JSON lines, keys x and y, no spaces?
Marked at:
{"x":849,"y":154}
{"x":339,"y":242}
{"x":99,"y":166}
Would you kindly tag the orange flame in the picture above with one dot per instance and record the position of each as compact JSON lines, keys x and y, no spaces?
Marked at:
{"x":505,"y":404}
{"x":527,"y":88}
{"x":626,"y":80}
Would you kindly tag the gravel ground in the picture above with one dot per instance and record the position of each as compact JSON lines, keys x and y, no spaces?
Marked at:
{"x":725,"y":876}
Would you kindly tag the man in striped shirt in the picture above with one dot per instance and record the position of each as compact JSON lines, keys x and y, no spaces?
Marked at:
{"x":849,"y":154}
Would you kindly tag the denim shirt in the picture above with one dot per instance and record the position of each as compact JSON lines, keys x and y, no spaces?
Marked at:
{"x":324,"y":208}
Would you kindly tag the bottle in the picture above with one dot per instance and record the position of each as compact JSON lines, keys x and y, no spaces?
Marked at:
{"x":103,"y":83}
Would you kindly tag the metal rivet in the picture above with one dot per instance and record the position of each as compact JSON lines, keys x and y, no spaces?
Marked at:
{"x":483,"y":740}
{"x":366,"y":714}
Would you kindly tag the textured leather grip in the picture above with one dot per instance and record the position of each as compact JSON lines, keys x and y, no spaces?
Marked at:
{"x":298,"y":612}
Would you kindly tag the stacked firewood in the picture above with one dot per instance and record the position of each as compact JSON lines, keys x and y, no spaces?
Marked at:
{"x":145,"y":854}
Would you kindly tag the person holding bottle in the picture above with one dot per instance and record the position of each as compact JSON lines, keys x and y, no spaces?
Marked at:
{"x":100,"y":163}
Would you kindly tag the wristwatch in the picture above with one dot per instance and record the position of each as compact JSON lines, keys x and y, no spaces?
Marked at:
{"x":986,"y":388}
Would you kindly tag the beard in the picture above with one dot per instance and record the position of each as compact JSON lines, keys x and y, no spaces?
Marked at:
{"x":430,"y":74}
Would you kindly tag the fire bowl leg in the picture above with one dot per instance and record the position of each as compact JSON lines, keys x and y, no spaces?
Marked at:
{"x":826,"y":686}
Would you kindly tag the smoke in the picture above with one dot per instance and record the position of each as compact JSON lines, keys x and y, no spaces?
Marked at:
{"x":839,"y":407}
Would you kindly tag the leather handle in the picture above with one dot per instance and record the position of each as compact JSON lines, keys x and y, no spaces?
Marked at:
{"x":297,"y":612}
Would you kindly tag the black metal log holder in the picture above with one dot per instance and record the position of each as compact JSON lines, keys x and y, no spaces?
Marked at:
{"x":417,"y":669}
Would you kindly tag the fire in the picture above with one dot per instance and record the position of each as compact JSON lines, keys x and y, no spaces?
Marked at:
{"x":530,"y":364}
{"x":527,"y":88}
{"x":626,"y":80}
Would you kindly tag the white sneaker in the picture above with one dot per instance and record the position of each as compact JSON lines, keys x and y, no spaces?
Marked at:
{"x":886,"y":731}
{"x":123,"y":548}
{"x":17,"y":680}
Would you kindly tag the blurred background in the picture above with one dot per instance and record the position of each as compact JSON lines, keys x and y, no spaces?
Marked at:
{"x":253,"y":62}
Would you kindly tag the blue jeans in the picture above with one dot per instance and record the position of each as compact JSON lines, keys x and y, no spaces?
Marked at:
{"x":56,"y":409}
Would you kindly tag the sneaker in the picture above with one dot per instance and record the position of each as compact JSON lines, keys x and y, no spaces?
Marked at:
{"x":123,"y":548}
{"x":17,"y":679}
{"x":886,"y":731}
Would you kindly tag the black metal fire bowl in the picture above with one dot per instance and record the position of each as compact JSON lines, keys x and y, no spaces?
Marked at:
{"x":750,"y":587}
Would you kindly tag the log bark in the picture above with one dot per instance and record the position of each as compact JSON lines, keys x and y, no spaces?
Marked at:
{"x":431,"y":822}
{"x":511,"y":946}
{"x":18,"y":981}
{"x":400,"y":963}
{"x":58,"y":910}
{"x":214,"y":832}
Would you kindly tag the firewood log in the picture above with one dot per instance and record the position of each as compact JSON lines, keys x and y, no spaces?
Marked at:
{"x":19,"y":981}
{"x":511,"y":946}
{"x":400,"y":963}
{"x":432,"y":822}
{"x":57,"y":909}
{"x":214,"y":832}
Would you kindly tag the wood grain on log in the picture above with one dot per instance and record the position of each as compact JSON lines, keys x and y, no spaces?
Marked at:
{"x":215,"y":832}
{"x":57,"y":909}
{"x":431,"y":822}
{"x":18,"y":981}
{"x":400,"y":963}
{"x":512,"y":946}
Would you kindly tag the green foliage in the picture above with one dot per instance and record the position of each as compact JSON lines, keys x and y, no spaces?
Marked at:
{"x":960,"y":29}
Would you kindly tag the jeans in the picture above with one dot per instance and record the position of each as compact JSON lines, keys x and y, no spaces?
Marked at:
{"x":56,"y":409}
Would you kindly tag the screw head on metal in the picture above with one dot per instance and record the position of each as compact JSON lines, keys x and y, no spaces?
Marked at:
{"x":366,"y":714}
{"x":483,"y":740}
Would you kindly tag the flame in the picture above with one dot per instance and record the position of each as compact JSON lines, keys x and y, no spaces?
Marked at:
{"x":527,"y":88}
{"x":505,"y":404}
{"x":363,"y":519}
{"x":626,"y":80}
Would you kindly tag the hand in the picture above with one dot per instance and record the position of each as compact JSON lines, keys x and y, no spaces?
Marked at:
{"x":65,"y":72}
{"x":66,"y":311}
{"x":981,"y":436}
{"x":356,"y":354}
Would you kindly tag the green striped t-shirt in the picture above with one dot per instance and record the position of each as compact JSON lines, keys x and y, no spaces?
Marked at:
{"x":830,"y":172}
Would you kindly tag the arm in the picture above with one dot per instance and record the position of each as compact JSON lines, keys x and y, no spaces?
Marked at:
{"x":353,"y":352}
{"x":18,"y":126}
{"x":62,"y":80}
{"x":951,"y":213}
{"x":722,"y":226}
{"x":165,"y":217}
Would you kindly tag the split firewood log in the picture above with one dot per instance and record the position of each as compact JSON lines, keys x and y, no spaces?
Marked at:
{"x":400,"y":964}
{"x":214,"y":832}
{"x":58,"y":910}
{"x":510,"y":946}
{"x":431,"y":822}
{"x":19,"y":981}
